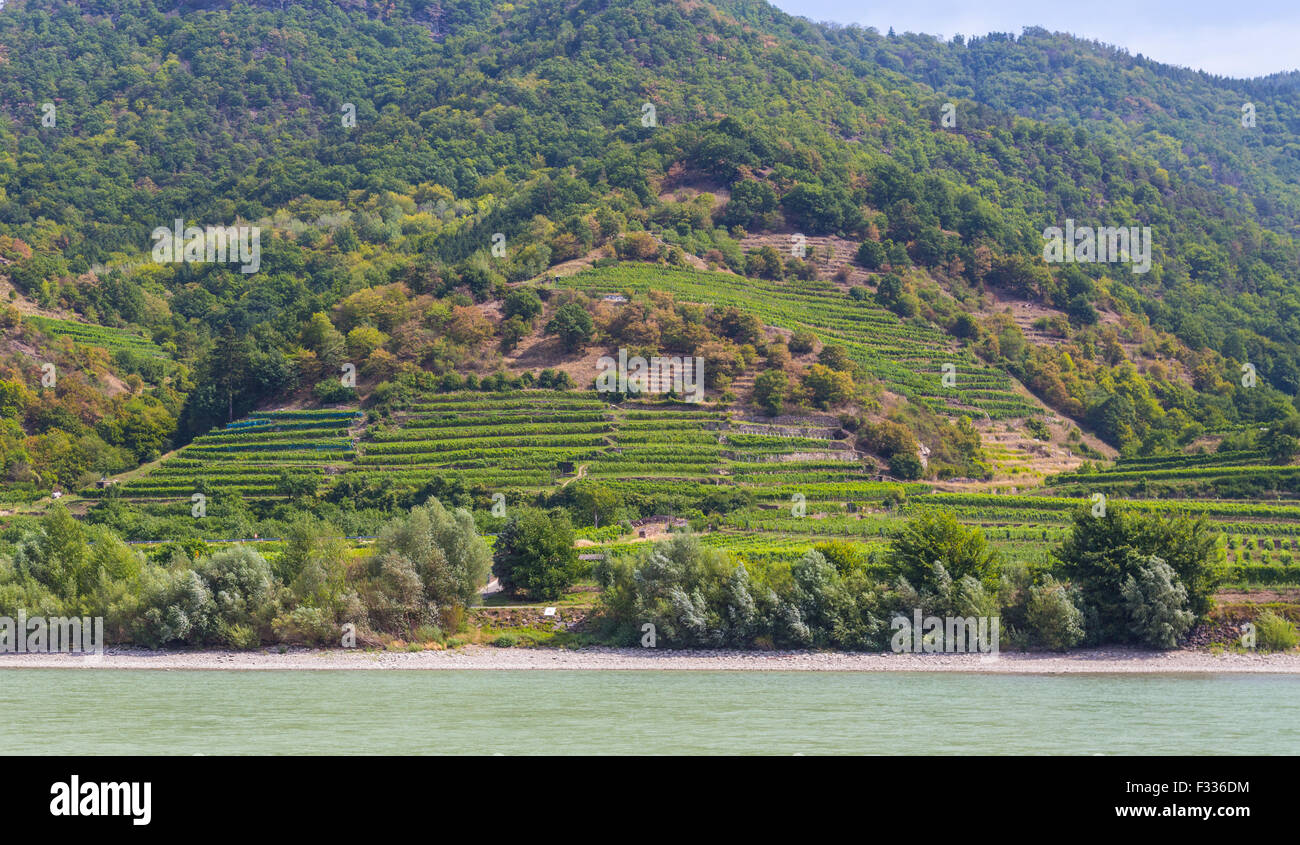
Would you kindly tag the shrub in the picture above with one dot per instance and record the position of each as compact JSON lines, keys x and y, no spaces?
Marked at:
{"x":523,"y":303}
{"x":1055,"y":622}
{"x":239,"y":636}
{"x":771,"y":388}
{"x":1156,"y":604}
{"x":1274,"y":633}
{"x":427,"y":634}
{"x":801,"y":342}
{"x":872,"y":255}
{"x":906,"y":467}
{"x":506,"y":641}
{"x":424,"y":564}
{"x":331,"y":391}
{"x":573,"y":325}
{"x":240,"y":582}
{"x":692,"y":595}
{"x":178,"y":607}
{"x":307,"y":626}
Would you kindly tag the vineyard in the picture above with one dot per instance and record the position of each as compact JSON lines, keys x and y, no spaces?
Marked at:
{"x":796,"y":483}
{"x":908,"y":358}
{"x":268,"y":455}
{"x":86,"y":334}
{"x":802,"y":483}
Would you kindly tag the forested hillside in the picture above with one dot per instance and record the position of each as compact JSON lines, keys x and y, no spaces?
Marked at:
{"x":528,"y":120}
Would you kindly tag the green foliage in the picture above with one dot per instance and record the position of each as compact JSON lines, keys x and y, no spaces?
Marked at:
{"x":1055,"y":622}
{"x":1275,"y":633}
{"x":376,"y":252}
{"x":442,"y":549}
{"x":802,"y":342}
{"x":906,"y":466}
{"x":937,"y":538}
{"x":534,"y":554}
{"x":1156,"y":603}
{"x":771,"y":389}
{"x":1105,"y":558}
{"x":1281,"y":441}
{"x":871,"y":255}
{"x":523,"y":303}
{"x":573,"y":325}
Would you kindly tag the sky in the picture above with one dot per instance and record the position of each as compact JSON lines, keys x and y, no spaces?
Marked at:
{"x":1240,"y":38}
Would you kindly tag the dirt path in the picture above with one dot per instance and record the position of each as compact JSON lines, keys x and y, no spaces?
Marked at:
{"x":582,"y":473}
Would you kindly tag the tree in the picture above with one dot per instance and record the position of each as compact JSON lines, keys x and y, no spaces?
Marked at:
{"x":573,"y":325}
{"x":750,"y":200}
{"x":890,"y":289}
{"x":965,"y":326}
{"x":937,"y":537}
{"x":836,"y":357}
{"x":523,"y":303}
{"x":771,"y":387}
{"x":227,"y":366}
{"x":765,"y":263}
{"x":871,"y":255}
{"x":314,"y":562}
{"x":802,"y":341}
{"x":906,"y":466}
{"x":591,"y":503}
{"x":828,"y":388}
{"x":363,"y":340}
{"x":441,"y":549}
{"x":1081,"y":312}
{"x":534,"y":554}
{"x":239,"y":580}
{"x":1103,"y":552}
{"x":55,"y":555}
{"x":888,"y":438}
{"x":1281,"y":441}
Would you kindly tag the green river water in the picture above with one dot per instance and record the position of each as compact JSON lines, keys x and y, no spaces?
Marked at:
{"x":89,"y":711}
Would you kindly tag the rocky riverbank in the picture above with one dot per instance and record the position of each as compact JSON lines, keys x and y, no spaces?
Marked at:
{"x":1112,"y":660}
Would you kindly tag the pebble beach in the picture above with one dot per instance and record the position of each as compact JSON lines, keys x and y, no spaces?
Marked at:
{"x":1096,"y":661}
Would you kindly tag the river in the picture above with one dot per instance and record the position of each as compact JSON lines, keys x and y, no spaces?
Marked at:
{"x":97,"y":711}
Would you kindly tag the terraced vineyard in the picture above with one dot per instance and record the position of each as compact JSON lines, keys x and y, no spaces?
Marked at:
{"x":250,"y":458}
{"x":803,"y":481}
{"x":514,"y":440}
{"x":534,"y":439}
{"x":908,"y":358}
{"x":91,"y":335}
{"x":1222,"y":474}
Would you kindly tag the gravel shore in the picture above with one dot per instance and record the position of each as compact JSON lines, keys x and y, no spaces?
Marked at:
{"x":485,"y":657}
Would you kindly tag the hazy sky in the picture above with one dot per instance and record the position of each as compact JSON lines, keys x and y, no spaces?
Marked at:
{"x":1228,"y":37}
